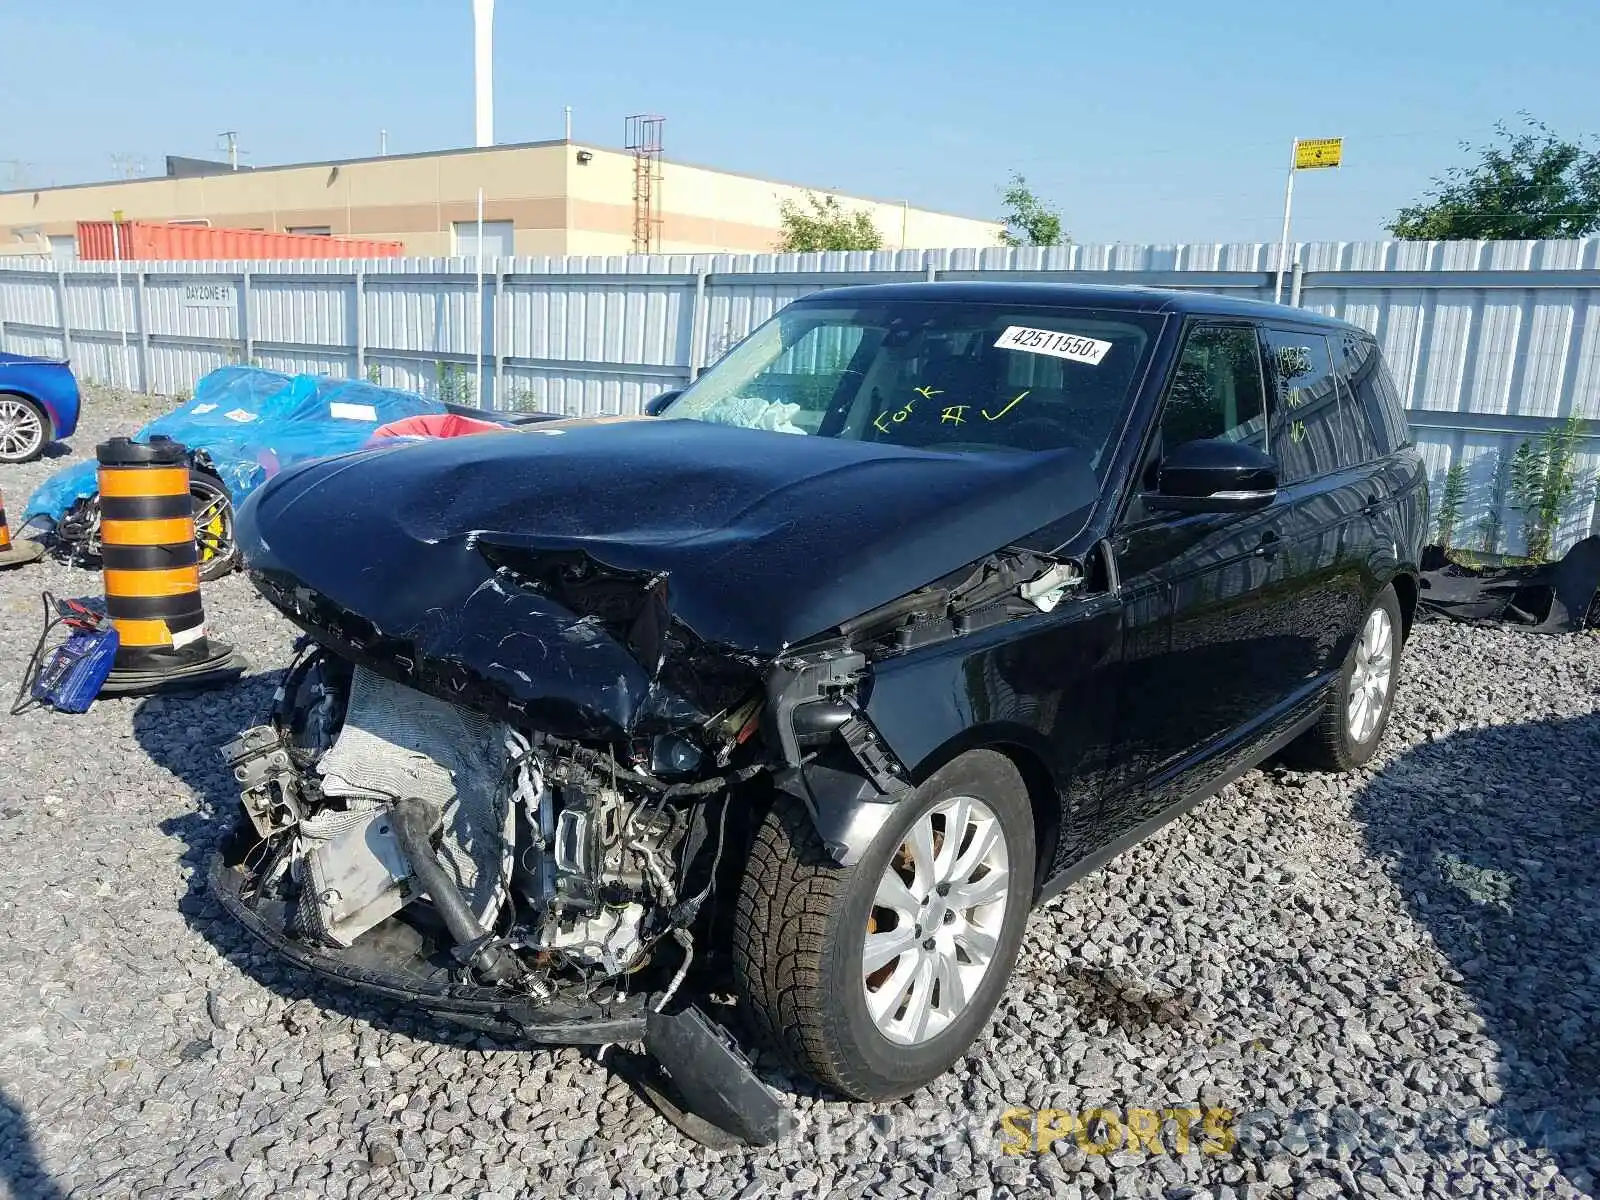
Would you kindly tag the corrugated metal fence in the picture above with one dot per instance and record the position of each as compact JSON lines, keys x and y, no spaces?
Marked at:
{"x":1491,"y":341}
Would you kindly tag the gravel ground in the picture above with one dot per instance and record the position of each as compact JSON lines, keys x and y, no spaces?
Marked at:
{"x":1390,"y":978}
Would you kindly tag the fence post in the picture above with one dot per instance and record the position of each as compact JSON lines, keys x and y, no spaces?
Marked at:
{"x":1296,"y":279}
{"x":494,"y":337}
{"x":249,"y":342}
{"x":141,"y":303}
{"x":697,"y":327}
{"x":61,"y":310}
{"x":361,"y":323}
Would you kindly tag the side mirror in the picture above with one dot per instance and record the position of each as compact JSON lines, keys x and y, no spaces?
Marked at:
{"x":654,"y":405}
{"x":1213,"y":476}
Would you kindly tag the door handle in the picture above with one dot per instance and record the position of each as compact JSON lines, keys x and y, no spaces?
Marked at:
{"x":1269,"y":545}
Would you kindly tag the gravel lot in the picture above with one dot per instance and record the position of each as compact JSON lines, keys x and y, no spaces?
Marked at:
{"x":1392,"y":978}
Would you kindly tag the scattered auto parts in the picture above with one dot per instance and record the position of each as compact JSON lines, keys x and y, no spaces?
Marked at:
{"x":1555,"y":597}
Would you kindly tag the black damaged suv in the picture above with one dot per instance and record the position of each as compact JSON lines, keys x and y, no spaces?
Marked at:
{"x":921,"y":603}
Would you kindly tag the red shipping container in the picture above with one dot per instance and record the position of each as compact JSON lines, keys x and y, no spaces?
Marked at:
{"x":147,"y":240}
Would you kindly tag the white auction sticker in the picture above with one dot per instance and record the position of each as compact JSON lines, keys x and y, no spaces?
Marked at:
{"x":203,"y":408}
{"x":352,"y":412}
{"x":1054,"y":343}
{"x":239,"y":414}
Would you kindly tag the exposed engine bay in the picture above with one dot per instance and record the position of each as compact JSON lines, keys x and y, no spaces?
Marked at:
{"x":546,"y":861}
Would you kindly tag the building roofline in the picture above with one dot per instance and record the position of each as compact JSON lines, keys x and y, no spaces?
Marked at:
{"x":455,"y":151}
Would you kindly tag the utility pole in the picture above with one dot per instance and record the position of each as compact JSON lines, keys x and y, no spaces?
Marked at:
{"x":566,"y":113}
{"x":383,"y":143}
{"x":233,"y":147}
{"x":483,"y":70}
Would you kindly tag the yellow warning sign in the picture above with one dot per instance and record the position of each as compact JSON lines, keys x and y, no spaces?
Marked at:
{"x":1311,"y":153}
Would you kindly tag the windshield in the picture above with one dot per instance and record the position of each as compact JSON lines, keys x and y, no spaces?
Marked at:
{"x":938,"y":376}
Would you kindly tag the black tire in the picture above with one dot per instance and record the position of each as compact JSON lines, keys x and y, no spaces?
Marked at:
{"x":39,"y":431}
{"x":1330,"y":744}
{"x":801,"y":920}
{"x":213,"y":511}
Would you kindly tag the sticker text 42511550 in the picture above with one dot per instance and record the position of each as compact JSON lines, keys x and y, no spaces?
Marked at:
{"x":1073,"y":346}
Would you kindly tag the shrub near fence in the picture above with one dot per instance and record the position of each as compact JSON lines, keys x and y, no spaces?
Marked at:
{"x":1492,"y":342}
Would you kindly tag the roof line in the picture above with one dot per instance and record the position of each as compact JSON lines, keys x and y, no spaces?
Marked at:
{"x":455,"y":151}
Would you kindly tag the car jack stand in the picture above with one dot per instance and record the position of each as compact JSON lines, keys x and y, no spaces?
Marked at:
{"x":705,"y":1086}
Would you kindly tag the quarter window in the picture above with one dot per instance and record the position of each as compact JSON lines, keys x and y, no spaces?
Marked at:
{"x":1217,"y":390}
{"x":1374,"y":392}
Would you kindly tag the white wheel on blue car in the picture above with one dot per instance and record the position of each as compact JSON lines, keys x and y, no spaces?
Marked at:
{"x":23,"y":429}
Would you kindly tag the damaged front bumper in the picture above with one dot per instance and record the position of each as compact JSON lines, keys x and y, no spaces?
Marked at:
{"x":417,"y":971}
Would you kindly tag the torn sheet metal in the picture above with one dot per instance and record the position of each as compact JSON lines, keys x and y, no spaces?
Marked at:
{"x":1547,"y":598}
{"x":627,"y":576}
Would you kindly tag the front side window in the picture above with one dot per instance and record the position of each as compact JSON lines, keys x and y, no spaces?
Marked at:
{"x":935,"y":376}
{"x":1217,"y":389}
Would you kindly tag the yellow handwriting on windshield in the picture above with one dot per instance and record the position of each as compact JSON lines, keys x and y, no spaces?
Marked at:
{"x":928,"y":392}
{"x":953,"y":414}
{"x":897,"y":417}
{"x":988,"y":416}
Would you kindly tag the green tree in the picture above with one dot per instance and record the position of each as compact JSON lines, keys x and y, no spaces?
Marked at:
{"x":1452,"y":501}
{"x":1533,"y":185}
{"x":1029,"y":220}
{"x":828,"y":225}
{"x":1545,"y":483}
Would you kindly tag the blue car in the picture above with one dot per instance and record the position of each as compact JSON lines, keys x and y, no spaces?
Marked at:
{"x":38,"y":405}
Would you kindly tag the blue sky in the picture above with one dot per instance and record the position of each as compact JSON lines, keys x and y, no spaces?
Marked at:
{"x":1155,"y":121}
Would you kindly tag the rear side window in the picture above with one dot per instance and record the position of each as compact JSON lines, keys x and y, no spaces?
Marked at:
{"x":1307,"y":427}
{"x":1373,"y":391}
{"x":1217,"y":390}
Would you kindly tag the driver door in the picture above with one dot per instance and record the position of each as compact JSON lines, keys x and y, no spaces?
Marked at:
{"x":1209,"y":636}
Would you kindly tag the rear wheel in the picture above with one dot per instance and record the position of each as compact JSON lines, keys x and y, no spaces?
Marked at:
{"x":24,"y":429}
{"x":873,"y":979}
{"x":213,"y":527}
{"x":1356,"y":711}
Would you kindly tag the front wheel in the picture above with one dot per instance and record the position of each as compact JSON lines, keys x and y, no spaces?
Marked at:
{"x":874,"y":979}
{"x":1356,"y":711}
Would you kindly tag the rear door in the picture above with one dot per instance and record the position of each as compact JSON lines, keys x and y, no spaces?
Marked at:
{"x":1331,"y":485}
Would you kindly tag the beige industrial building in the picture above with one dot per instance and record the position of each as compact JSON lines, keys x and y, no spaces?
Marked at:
{"x":540,"y":198}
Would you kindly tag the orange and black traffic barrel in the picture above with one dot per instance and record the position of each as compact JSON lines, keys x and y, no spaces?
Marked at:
{"x":151,"y":569}
{"x":14,"y":554}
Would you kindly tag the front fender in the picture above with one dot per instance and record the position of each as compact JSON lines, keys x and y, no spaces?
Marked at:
{"x":1043,"y":688}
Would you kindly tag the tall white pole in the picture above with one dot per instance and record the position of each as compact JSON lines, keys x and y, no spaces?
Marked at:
{"x":383,"y":143}
{"x":478,"y":324}
{"x":1283,"y":242}
{"x":483,"y":69}
{"x":566,"y":123}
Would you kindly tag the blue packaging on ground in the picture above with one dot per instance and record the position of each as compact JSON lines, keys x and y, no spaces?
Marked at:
{"x":73,"y":673}
{"x":250,"y":423}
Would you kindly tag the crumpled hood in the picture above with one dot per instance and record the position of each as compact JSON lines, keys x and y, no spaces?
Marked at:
{"x":550,"y":558}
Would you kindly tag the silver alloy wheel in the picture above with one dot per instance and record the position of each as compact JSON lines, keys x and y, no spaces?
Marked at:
{"x":1369,"y":682}
{"x":936,"y":920}
{"x":21,"y":429}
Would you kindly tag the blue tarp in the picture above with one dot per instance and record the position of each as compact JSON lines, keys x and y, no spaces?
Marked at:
{"x":251,"y":423}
